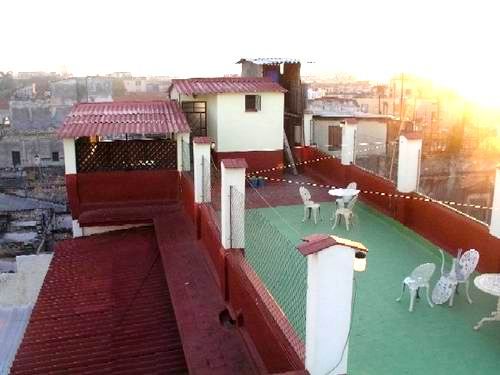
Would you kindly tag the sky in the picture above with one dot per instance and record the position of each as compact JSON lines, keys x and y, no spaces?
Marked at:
{"x":454,"y":43}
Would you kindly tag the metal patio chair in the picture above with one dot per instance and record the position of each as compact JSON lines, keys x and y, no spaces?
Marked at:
{"x":418,"y":279}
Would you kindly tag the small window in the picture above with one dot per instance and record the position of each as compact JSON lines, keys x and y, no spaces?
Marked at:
{"x":16,"y":158}
{"x":252,"y":103}
{"x":55,"y":156}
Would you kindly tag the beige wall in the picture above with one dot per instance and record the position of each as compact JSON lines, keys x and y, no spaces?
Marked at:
{"x":238,"y":130}
{"x":234,"y":130}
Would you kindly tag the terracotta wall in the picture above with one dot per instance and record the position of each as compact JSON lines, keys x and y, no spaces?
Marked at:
{"x":100,"y":189}
{"x":443,"y":226}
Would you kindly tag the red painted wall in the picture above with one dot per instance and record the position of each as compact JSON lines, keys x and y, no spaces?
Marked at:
{"x":443,"y":226}
{"x":240,"y":292}
{"x":108,"y":189}
{"x":256,"y":160}
{"x":186,"y":188}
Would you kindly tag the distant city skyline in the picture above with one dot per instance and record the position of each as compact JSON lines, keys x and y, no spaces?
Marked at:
{"x":452,"y":43}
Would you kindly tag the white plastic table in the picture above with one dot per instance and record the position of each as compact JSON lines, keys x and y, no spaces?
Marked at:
{"x":489,"y":283}
{"x":343,"y":192}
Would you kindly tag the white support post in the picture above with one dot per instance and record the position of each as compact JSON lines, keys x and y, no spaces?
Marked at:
{"x":495,"y":213}
{"x":330,"y":275}
{"x":182,"y":141}
{"x":348,"y":143}
{"x":232,"y":177}
{"x":410,"y":150}
{"x":201,"y":165}
{"x":307,"y":125}
{"x":77,"y":229}
{"x":69,"y":156}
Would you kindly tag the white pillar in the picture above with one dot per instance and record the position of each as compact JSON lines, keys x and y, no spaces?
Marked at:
{"x":330,"y":272}
{"x":410,"y":149}
{"x":348,"y":143}
{"x":77,"y":229}
{"x":182,"y":140}
{"x":495,"y":214}
{"x":307,"y":126}
{"x":233,"y":225}
{"x":201,"y":165}
{"x":69,"y":156}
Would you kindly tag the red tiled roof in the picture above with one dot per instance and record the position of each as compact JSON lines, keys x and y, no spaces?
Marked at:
{"x":314,"y":243}
{"x":202,"y":140}
{"x":141,"y":97}
{"x":198,"y":86}
{"x":104,"y":308}
{"x":235,"y":163}
{"x":4,"y":104}
{"x":135,"y":117}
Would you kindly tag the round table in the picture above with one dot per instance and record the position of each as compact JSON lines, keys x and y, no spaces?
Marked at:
{"x":489,"y":283}
{"x":343,"y":192}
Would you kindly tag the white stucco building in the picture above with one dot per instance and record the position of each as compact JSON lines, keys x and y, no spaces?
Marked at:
{"x":243,"y":115}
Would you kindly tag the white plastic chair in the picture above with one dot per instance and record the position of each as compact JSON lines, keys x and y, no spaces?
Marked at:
{"x":419,"y":278}
{"x":345,"y":212}
{"x":309,"y":205}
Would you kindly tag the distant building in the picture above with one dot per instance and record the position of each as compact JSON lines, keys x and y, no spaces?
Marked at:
{"x":29,"y":140}
{"x":120,"y":75}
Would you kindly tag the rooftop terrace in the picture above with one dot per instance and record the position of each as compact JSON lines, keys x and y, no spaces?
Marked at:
{"x":385,"y":337}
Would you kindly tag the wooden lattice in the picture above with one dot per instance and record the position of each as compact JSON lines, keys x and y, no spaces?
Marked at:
{"x":125,"y":155}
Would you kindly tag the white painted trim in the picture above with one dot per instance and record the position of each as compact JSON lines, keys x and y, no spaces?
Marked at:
{"x":77,"y":229}
{"x":409,"y":164}
{"x":307,"y":125}
{"x":348,"y":144}
{"x":328,"y":309}
{"x":69,"y":156}
{"x":201,"y":151}
{"x":180,"y":138}
{"x":232,"y":177}
{"x":495,"y":214}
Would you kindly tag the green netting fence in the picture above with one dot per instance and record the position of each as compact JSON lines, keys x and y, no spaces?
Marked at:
{"x":281,"y":268}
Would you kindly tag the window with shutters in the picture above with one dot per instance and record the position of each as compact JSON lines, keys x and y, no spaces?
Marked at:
{"x":252,"y":103}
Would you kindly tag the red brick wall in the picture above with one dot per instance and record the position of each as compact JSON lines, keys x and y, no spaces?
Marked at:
{"x":443,"y":226}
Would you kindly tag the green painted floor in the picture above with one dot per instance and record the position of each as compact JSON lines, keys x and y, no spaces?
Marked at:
{"x":386,"y":338}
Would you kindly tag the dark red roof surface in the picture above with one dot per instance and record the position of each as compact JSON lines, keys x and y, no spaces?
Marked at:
{"x":104,"y":308}
{"x":198,"y":86}
{"x":135,"y":117}
{"x":4,"y":104}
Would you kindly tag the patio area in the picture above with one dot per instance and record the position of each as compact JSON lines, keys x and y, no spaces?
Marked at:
{"x":385,"y":337}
